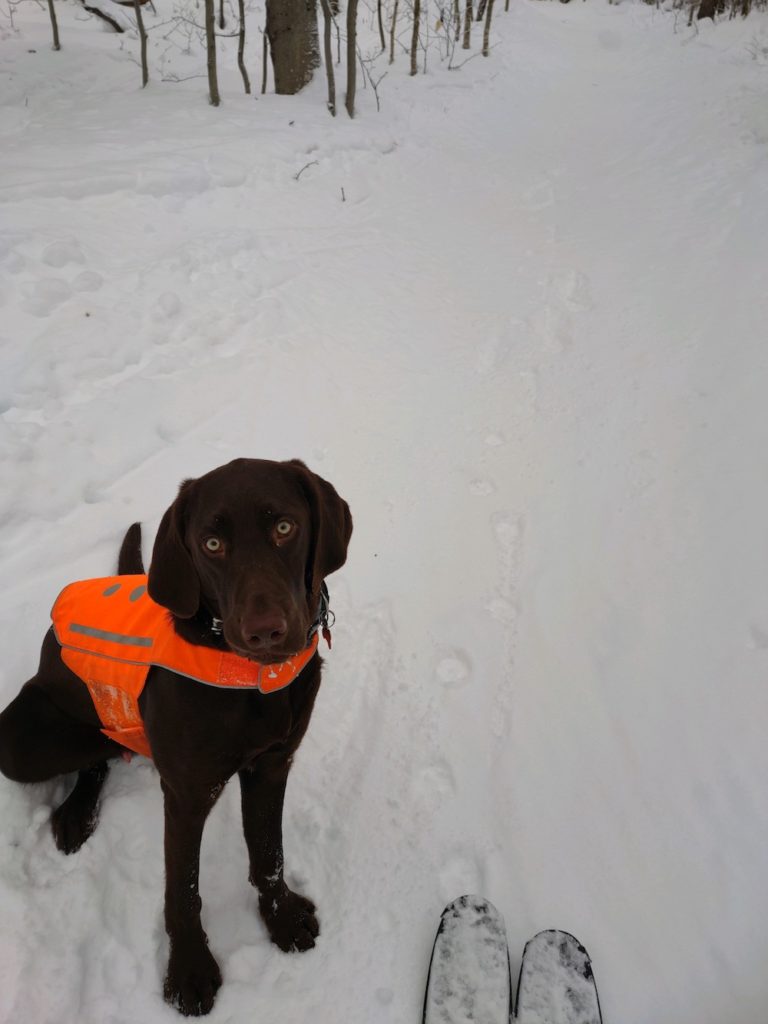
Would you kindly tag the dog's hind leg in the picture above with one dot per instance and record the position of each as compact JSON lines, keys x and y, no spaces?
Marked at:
{"x":38,"y":741}
{"x":75,"y":819}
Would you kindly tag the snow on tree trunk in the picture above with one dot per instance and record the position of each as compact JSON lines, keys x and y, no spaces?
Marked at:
{"x":293,"y":43}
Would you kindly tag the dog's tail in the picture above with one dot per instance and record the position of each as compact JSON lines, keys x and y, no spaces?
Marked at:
{"x":129,"y":561}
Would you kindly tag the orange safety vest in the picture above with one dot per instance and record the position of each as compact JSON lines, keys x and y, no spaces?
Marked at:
{"x":111,"y":632}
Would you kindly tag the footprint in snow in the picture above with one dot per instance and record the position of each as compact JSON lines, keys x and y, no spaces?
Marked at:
{"x":59,"y":254}
{"x":572,"y":286}
{"x":87,"y":281}
{"x":166,"y":306}
{"x":538,"y":196}
{"x":462,"y":872}
{"x":507,"y":532}
{"x":553,"y":326}
{"x":494,"y":352}
{"x":436,"y":782}
{"x":482,"y":488}
{"x":43,"y":296}
{"x":14,"y":263}
{"x":502,"y":610}
{"x":454,"y":668}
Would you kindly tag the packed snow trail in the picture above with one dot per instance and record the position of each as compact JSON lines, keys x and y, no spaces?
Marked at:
{"x":527,"y":346}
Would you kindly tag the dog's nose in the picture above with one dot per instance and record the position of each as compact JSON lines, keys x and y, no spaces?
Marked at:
{"x":265,"y":630}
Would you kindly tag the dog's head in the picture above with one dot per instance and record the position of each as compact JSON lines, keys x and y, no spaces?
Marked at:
{"x":251,"y":542}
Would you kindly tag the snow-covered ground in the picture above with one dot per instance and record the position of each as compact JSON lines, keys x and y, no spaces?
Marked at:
{"x":528,"y":346}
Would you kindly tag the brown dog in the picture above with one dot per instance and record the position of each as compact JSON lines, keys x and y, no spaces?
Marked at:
{"x":239,"y":562}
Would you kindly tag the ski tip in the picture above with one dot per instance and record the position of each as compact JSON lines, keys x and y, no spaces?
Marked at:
{"x":471,"y":903}
{"x":469,"y":976}
{"x":556,"y":981}
{"x":571,"y":952}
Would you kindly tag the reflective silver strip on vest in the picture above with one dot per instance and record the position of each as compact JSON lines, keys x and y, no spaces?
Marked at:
{"x":115,"y":638}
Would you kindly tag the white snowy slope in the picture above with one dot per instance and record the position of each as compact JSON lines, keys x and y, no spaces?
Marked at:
{"x":528,"y":346}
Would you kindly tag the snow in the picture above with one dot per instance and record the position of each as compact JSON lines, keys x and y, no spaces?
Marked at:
{"x":518,"y":319}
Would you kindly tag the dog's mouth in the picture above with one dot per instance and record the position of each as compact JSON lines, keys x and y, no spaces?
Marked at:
{"x":264,"y":655}
{"x":269,"y":638}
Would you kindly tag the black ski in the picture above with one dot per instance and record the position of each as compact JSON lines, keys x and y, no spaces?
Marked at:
{"x":556,"y":983}
{"x":469,"y":978}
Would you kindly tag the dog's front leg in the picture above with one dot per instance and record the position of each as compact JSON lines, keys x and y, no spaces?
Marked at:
{"x":193,"y":976}
{"x":289,"y":917}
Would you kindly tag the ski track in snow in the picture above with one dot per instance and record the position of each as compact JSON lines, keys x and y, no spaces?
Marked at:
{"x":527,"y":346}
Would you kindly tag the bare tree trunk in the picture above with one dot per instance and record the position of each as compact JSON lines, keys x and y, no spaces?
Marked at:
{"x":264,"y":58}
{"x":351,"y":55}
{"x":426,"y":35}
{"x":54,"y":26}
{"x":210,"y":38}
{"x":293,"y":43}
{"x":467,"y":25}
{"x":392,"y":35}
{"x":481,"y":9}
{"x":487,"y":29}
{"x":457,"y":18}
{"x":415,"y":36}
{"x":241,"y":47}
{"x":143,"y":38}
{"x":506,"y":5}
{"x":222,"y":23}
{"x":328,"y":55}
{"x":381,"y":26}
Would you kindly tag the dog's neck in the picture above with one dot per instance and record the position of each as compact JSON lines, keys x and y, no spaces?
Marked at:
{"x":200,"y":629}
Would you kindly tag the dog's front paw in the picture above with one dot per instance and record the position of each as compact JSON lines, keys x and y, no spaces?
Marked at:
{"x":290,"y":919}
{"x":192,"y":981}
{"x":72,"y":823}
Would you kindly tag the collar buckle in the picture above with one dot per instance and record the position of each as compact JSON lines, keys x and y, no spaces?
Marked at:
{"x":324,"y":618}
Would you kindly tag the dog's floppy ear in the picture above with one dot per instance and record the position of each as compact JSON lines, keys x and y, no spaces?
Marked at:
{"x":331,"y":526}
{"x":172,"y":580}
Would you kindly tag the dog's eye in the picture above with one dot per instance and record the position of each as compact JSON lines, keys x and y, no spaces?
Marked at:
{"x":213,"y":545}
{"x":284,"y":528}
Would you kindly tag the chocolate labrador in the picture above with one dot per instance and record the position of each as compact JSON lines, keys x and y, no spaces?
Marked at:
{"x":239,"y":563}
